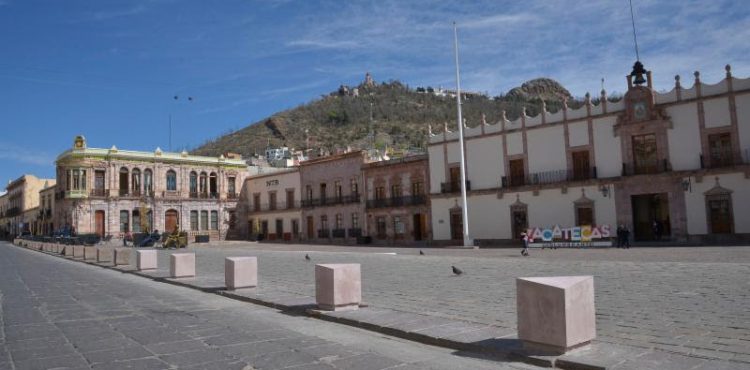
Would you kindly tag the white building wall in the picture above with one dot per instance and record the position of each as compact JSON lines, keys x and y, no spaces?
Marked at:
{"x":607,"y":148}
{"x":437,"y":167}
{"x":742,"y":103}
{"x":485,"y":162}
{"x":695,"y":202}
{"x":546,"y":150}
{"x":717,"y":112}
{"x":578,"y":133}
{"x":515,"y":143}
{"x":684,"y":137}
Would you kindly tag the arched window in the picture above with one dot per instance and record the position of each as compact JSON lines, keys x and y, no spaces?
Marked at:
{"x":204,"y":220}
{"x":124,"y":183}
{"x":171,"y":180}
{"x":149,"y":221}
{"x":136,"y":182}
{"x":124,"y":221}
{"x":148,"y":181}
{"x":193,"y":184}
{"x":213,"y":185}
{"x":204,"y":183}
{"x":136,"y":221}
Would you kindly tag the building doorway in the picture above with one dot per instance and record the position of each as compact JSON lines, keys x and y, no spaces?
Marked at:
{"x":418,"y":227}
{"x":171,"y":220}
{"x":457,"y":225}
{"x":279,"y":228}
{"x":99,"y":223}
{"x":264,"y":229}
{"x":651,"y":217}
{"x":310,"y":228}
{"x":520,"y":221}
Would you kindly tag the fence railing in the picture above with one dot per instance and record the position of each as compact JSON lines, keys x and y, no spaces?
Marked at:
{"x":332,"y":201}
{"x":549,"y":177}
{"x":408,"y":200}
{"x":453,"y":187}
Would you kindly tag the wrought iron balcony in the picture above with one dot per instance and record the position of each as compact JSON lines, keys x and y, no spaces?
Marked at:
{"x":355,"y":232}
{"x":76,"y":194}
{"x":339,"y":233}
{"x":549,"y":177}
{"x":403,"y":201}
{"x":324,"y":233}
{"x":453,"y":187}
{"x":323,"y":202}
{"x":646,"y":167}
{"x":99,"y":193}
{"x":232,"y":195}
{"x":724,"y":158}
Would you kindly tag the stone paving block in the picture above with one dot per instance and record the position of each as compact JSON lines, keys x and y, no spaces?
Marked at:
{"x":338,"y":286}
{"x":241,"y":272}
{"x":182,"y":265}
{"x":183,"y":359}
{"x":555,"y":314}
{"x":135,"y":364}
{"x":365,"y":361}
{"x":122,"y":256}
{"x":104,"y":254}
{"x":146,"y":259}
{"x":72,"y":361}
{"x":176,"y":347}
{"x":280,"y":360}
{"x":117,"y":354}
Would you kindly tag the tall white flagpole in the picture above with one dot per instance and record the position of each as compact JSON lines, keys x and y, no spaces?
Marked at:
{"x":464,"y":206}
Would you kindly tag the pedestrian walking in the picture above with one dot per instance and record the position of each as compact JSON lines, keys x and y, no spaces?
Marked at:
{"x":625,"y":237}
{"x":525,"y":240}
{"x":620,"y":231}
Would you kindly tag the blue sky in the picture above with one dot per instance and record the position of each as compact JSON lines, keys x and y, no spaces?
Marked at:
{"x":109,"y":69}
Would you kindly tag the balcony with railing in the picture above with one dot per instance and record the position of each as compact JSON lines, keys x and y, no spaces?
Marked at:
{"x":232,"y":195}
{"x":549,"y":177}
{"x":324,"y":233}
{"x":725,"y":158}
{"x":76,"y":194}
{"x":355,"y":232}
{"x":646,"y":167}
{"x":332,"y":201}
{"x":339,"y":233}
{"x":453,"y":187}
{"x":403,"y":201}
{"x":99,"y":193}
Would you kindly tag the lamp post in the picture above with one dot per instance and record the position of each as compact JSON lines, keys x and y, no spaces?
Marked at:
{"x":464,"y":204}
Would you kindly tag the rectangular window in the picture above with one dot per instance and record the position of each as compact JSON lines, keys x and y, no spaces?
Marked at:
{"x":214,"y":220}
{"x":720,"y":148}
{"x":231,"y":189}
{"x":83,"y":179}
{"x":124,"y":221}
{"x":355,"y":220}
{"x":339,"y":221}
{"x":136,"y":221}
{"x":380,"y":227}
{"x":417,"y":187}
{"x":256,"y":202}
{"x":398,"y":227}
{"x":644,"y":154}
{"x":290,"y":199}
{"x":76,"y":180}
{"x":380,"y":193}
{"x":338,"y":190}
{"x":322,"y":193}
{"x":324,"y":222}
{"x":194,"y":220}
{"x":271,"y":200}
{"x":171,"y":181}
{"x":354,"y":186}
{"x":308,"y":192}
{"x":204,"y":220}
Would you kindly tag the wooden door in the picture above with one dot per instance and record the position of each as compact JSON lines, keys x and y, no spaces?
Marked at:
{"x":520,"y":221}
{"x":720,"y":216}
{"x":417,"y":222}
{"x":517,"y":172}
{"x":457,"y":226}
{"x":171,"y":220}
{"x":310,"y":228}
{"x":581,"y":168}
{"x":99,"y":223}
{"x":455,"y":179}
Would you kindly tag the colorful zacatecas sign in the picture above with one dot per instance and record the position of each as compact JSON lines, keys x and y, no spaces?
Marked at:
{"x":576,"y":236}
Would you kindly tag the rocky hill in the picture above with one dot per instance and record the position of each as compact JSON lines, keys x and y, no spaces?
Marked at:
{"x":397,"y":114}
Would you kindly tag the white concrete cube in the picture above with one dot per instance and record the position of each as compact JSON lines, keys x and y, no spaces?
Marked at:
{"x":122,"y":256}
{"x":89,"y":253}
{"x":77,"y":251}
{"x":67,"y":250}
{"x":555,"y":314}
{"x":182,"y":265}
{"x":104,"y":254}
{"x":338,"y":287}
{"x":146,"y":260}
{"x":241,"y":272}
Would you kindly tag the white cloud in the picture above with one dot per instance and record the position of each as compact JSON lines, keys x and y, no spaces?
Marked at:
{"x":18,"y":154}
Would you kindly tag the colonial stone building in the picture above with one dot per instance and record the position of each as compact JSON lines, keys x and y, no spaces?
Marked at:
{"x":270,"y":206}
{"x":669,"y":166}
{"x":397,"y":205}
{"x":20,"y":202}
{"x":112,"y":191}
{"x":332,"y":209}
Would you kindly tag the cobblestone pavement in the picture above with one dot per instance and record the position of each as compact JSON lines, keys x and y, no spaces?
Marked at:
{"x":690,"y":301}
{"x":56,"y":313}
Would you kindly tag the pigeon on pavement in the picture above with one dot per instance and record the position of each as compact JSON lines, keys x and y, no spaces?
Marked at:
{"x":421,"y":253}
{"x":456,"y":270}
{"x":307,"y":257}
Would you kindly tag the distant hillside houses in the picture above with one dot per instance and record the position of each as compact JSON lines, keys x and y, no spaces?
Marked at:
{"x":449,"y":93}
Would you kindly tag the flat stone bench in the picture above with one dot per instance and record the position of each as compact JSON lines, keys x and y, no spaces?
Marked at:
{"x":146,"y":260}
{"x":338,"y":287}
{"x":122,"y":256}
{"x":89,"y":253}
{"x":182,"y":265}
{"x":241,"y":272}
{"x":67,"y":250}
{"x":78,"y":251}
{"x":104,"y":254}
{"x":555,"y":314}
